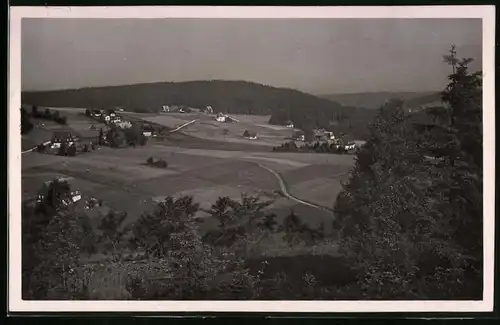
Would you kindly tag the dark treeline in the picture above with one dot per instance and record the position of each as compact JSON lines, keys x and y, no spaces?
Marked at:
{"x":237,"y":97}
{"x":413,"y":225}
{"x":316,"y":147}
{"x":373,"y":100}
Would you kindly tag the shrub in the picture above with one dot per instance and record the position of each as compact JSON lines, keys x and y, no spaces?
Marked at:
{"x":150,"y":161}
{"x":161,"y":163}
{"x":410,"y":228}
{"x":26,"y":125}
{"x":41,"y":148}
{"x":61,"y":120}
{"x":71,"y":151}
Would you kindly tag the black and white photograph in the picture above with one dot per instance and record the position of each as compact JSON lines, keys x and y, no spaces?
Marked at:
{"x":253,"y":159}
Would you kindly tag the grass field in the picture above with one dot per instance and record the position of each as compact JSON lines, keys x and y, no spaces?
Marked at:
{"x":200,"y":164}
{"x":207,"y":127}
{"x":122,"y":179}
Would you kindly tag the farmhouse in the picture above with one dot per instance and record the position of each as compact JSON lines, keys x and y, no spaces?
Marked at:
{"x":221,"y":117}
{"x":59,"y":137}
{"x":289,"y":124}
{"x":148,"y":130}
{"x":75,"y":195}
{"x":299,"y":136}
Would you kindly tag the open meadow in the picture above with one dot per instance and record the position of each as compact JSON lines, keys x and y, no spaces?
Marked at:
{"x":206,"y":127}
{"x":125,"y":182}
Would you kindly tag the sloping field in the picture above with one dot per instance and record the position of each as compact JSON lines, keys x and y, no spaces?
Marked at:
{"x":34,"y":138}
{"x":166,"y":120}
{"x":252,"y":119}
{"x":319,"y":190}
{"x":311,"y":172}
{"x":81,"y":124}
{"x":121,"y":178}
{"x":207,"y":128}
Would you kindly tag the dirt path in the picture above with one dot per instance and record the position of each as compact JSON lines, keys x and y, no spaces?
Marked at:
{"x":182,"y":126}
{"x":288,"y":194}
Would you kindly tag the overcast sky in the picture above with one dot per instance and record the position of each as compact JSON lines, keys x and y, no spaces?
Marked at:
{"x":316,"y":56}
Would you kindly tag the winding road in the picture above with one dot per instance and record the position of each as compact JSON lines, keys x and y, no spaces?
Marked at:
{"x":288,"y":194}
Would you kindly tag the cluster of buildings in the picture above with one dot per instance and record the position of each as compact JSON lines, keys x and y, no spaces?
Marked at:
{"x":320,"y":135}
{"x":185,"y":109}
{"x":224,"y":118}
{"x":60,"y":137}
{"x":74,"y":195}
{"x":110,"y":117}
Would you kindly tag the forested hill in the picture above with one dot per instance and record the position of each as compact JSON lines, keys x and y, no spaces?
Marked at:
{"x":374,"y":100}
{"x":237,"y":97}
{"x":223,"y":96}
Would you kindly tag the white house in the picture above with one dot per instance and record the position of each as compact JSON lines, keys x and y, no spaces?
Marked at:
{"x":59,"y":137}
{"x":221,"y":117}
{"x":330,"y":135}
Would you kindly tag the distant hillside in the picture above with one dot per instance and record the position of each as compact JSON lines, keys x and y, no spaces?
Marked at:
{"x":377,"y":99}
{"x":238,"y":97}
{"x":223,"y":96}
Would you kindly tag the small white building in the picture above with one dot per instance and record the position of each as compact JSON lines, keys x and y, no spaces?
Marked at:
{"x":329,"y":135}
{"x":209,"y":110}
{"x":221,"y":117}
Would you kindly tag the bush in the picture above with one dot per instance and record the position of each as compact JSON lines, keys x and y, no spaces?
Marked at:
{"x":61,"y":120}
{"x":161,"y":163}
{"x":41,"y":148}
{"x":26,"y":125}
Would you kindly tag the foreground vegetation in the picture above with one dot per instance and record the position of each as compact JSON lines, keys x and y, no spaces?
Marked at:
{"x":316,"y":147}
{"x":405,"y":227}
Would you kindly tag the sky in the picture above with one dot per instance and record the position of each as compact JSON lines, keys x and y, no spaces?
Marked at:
{"x":318,"y":56}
